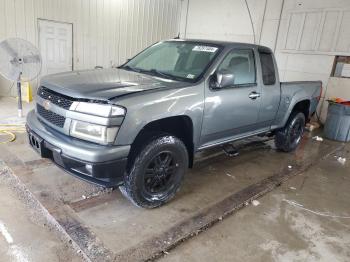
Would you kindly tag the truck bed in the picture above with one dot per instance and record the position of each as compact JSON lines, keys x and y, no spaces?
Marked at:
{"x":293,"y":92}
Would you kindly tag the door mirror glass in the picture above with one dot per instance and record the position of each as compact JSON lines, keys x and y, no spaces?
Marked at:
{"x":222,"y":79}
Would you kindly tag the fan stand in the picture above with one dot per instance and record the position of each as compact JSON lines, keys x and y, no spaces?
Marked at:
{"x":19,"y":92}
{"x":20,"y":60}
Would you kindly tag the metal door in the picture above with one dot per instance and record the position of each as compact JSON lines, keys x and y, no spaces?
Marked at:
{"x":233,"y":110}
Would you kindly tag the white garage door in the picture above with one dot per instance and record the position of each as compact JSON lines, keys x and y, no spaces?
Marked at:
{"x":55,"y":41}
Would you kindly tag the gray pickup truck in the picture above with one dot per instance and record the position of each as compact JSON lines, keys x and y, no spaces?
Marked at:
{"x":139,"y":126}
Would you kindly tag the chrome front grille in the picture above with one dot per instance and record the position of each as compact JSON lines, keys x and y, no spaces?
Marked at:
{"x":50,"y":116}
{"x":55,"y":98}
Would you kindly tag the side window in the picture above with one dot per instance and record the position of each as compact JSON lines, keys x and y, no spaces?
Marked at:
{"x":268,"y":68}
{"x":241,"y":64}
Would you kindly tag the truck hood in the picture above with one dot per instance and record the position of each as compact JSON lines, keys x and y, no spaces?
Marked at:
{"x":105,"y":84}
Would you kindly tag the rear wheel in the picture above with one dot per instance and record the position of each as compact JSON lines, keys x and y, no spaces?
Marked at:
{"x":157,"y":172}
{"x":288,"y":138}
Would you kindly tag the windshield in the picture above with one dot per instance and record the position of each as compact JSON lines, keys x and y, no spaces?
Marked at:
{"x":177,"y":60}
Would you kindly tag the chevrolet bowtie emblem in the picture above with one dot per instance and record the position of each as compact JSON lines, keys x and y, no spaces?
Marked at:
{"x":47,"y":104}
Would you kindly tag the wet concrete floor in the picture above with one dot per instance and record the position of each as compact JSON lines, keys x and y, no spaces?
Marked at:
{"x":306,"y":219}
{"x":24,"y":233}
{"x":107,"y":226}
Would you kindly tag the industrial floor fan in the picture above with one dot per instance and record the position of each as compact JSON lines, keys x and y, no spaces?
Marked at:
{"x":20,"y":61}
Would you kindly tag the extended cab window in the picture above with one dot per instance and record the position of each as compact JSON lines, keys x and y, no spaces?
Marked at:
{"x":241,"y":64}
{"x":268,"y":68}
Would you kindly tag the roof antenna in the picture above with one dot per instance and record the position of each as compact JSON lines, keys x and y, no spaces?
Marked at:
{"x":178,"y":36}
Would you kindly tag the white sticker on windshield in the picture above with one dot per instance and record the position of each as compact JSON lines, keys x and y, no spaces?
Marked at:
{"x":203,"y":48}
{"x":190,"y":76}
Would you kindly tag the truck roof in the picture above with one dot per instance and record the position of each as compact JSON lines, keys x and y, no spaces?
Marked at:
{"x":222,"y":43}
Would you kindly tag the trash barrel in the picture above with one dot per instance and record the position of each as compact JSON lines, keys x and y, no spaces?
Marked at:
{"x":337,"y":126}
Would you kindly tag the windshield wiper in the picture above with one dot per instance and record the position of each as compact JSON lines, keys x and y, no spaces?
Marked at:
{"x":161,"y":73}
{"x":126,"y":67}
{"x":152,"y":71}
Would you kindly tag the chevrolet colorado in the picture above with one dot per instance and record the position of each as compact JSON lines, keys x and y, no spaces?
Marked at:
{"x":138,"y":126}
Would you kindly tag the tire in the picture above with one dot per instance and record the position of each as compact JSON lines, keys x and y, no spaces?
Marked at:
{"x":157,"y":172}
{"x":288,"y":138}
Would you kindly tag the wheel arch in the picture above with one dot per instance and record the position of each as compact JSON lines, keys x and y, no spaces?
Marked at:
{"x":302,"y":105}
{"x":180,"y":126}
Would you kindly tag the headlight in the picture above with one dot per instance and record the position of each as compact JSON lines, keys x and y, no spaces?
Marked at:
{"x":98,"y":109}
{"x":94,"y":133}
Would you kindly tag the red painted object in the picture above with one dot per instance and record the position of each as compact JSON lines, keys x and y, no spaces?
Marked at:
{"x":339,"y":101}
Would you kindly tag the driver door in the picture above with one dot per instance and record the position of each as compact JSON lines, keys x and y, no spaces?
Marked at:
{"x":232,"y":111}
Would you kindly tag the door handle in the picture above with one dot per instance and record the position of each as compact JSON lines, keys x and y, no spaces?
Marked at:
{"x":254,"y":95}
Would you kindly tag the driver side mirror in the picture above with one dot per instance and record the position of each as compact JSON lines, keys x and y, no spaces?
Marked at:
{"x":222,"y":79}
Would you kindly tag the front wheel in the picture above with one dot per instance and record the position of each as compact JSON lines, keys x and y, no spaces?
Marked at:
{"x":288,"y":138}
{"x":157,"y":172}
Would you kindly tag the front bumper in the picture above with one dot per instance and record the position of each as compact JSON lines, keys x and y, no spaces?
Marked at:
{"x":102,"y":165}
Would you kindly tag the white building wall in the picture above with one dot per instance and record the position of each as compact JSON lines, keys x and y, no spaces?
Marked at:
{"x":311,"y":34}
{"x":105,"y":32}
{"x":271,"y":23}
{"x":305,"y":34}
{"x":229,"y":20}
{"x":222,"y":20}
